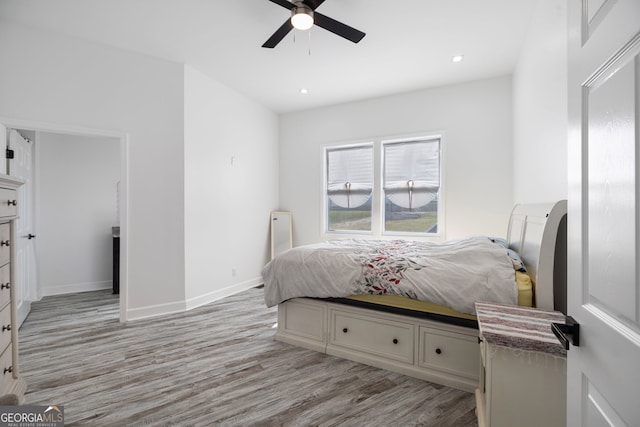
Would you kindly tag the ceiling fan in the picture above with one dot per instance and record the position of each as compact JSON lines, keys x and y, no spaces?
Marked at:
{"x":303,"y":16}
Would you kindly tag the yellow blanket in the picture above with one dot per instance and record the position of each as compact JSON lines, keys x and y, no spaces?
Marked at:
{"x":525,"y":299}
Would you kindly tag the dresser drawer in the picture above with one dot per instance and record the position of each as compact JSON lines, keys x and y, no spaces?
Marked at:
{"x":5,"y":242}
{"x":381,"y":337}
{"x":5,"y":327}
{"x":5,"y":292}
{"x":8,"y":203}
{"x":450,"y":352}
{"x":6,"y":367}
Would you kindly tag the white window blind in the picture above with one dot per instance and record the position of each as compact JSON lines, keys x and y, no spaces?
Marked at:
{"x":349,"y":188}
{"x":350,"y":176}
{"x":412,"y":173}
{"x":397,"y":193}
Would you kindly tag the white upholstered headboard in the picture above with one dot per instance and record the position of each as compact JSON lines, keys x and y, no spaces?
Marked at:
{"x":538,"y":232}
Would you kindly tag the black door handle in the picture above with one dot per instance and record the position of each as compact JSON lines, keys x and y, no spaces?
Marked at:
{"x":30,"y":236}
{"x":569,"y":332}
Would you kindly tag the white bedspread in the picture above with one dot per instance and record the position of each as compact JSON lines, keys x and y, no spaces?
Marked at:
{"x":455,"y":273}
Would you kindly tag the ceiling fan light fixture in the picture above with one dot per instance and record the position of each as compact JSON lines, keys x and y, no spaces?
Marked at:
{"x":302,"y":17}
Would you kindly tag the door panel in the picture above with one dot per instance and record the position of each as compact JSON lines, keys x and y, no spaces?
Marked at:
{"x":611,"y":175}
{"x":604,"y":212}
{"x":21,"y":166}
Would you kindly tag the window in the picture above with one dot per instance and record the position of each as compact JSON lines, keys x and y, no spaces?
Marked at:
{"x":399,"y":196}
{"x":411,"y":183}
{"x":349,"y":172}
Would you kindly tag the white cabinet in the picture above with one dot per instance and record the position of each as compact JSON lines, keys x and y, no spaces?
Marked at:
{"x":523,"y":370}
{"x":418,"y":347}
{"x":453,"y":353}
{"x":373,"y":335}
{"x":11,"y":385}
{"x":302,"y":323}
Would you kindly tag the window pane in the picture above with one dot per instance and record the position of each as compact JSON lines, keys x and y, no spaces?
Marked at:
{"x":411,"y":185}
{"x":349,"y":188}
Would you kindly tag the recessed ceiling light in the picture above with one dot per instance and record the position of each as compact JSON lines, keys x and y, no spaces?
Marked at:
{"x":304,"y":91}
{"x":457,"y":58}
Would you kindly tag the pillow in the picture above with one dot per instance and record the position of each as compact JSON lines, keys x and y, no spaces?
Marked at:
{"x":518,"y":265}
{"x":500,"y":241}
{"x":525,"y":289}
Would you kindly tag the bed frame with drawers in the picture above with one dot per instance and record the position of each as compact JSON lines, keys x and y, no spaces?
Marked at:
{"x":436,"y":348}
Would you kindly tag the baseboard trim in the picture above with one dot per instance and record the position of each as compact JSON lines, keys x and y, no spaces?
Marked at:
{"x":73,"y":288}
{"x":222,"y":293}
{"x":191,"y":303}
{"x":155,"y":310}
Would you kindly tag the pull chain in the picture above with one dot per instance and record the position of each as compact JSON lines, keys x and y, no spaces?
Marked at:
{"x":308,"y":40}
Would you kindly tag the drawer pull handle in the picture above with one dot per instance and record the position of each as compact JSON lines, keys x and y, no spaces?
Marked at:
{"x":9,"y":369}
{"x":438,"y":351}
{"x":345,"y":330}
{"x":12,"y":202}
{"x":395,"y":341}
{"x":4,"y":243}
{"x":6,"y":328}
{"x":5,"y":286}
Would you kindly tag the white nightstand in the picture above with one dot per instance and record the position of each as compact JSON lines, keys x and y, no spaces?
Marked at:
{"x":523,"y":372}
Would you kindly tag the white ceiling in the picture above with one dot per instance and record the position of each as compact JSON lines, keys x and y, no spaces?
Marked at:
{"x":408,"y":46}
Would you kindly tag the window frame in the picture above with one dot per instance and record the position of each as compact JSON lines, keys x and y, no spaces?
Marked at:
{"x":377,"y":211}
{"x":325,"y":232}
{"x":381,"y":196}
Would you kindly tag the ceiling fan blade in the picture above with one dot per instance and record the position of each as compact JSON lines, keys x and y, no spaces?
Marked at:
{"x":337,"y":28}
{"x":284,"y":3}
{"x":279,"y":34}
{"x":313,"y":4}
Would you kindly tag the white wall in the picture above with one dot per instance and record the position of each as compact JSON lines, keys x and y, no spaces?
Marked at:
{"x":476,"y":121}
{"x":70,"y":83}
{"x":51,"y":78}
{"x":540,"y":108}
{"x":231,"y":185}
{"x":76,"y":208}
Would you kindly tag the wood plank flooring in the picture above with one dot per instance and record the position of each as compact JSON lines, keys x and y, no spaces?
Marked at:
{"x":216,"y":365}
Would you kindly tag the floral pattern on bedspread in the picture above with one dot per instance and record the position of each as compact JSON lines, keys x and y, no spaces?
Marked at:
{"x":455,"y":273}
{"x":383,"y":267}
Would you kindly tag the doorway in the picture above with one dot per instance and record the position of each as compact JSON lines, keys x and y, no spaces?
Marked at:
{"x":76,"y":209}
{"x":79,"y":195}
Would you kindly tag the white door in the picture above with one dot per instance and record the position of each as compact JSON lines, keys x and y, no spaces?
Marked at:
{"x":603,"y":372}
{"x":4,"y":136}
{"x":21,"y":166}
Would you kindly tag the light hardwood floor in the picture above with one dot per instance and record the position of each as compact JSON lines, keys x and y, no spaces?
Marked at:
{"x":214,"y":365}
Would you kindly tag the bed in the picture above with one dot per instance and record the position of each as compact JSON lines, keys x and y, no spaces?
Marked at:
{"x":426,"y":338}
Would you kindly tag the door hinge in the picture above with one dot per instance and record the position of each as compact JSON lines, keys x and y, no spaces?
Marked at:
{"x":9,"y":153}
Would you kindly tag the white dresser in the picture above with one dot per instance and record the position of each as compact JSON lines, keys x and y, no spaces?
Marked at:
{"x":12,"y":387}
{"x":523,"y":374}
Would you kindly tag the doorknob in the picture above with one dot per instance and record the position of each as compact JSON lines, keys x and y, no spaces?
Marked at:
{"x":568,"y":332}
{"x":30,"y":236}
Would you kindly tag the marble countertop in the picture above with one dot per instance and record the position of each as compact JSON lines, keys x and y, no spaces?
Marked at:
{"x":520,"y":328}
